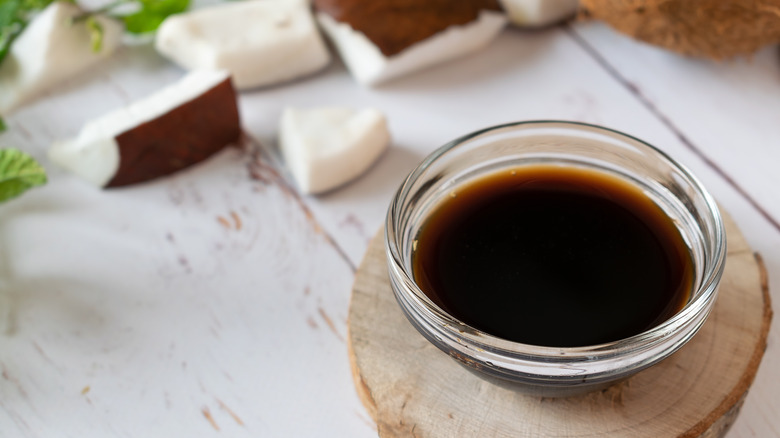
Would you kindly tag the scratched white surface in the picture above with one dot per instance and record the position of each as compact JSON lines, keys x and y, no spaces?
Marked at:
{"x":213,"y":302}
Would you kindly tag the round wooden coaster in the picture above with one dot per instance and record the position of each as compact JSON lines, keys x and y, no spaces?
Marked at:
{"x":413,"y":389}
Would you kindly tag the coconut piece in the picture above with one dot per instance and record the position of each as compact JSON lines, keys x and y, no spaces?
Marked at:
{"x":326,"y":147}
{"x":537,"y":13}
{"x":50,"y":50}
{"x":714,"y":29}
{"x":261,"y":42}
{"x":384,"y":39}
{"x":178,"y":126}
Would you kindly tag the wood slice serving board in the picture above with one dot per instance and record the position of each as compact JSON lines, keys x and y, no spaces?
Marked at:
{"x":413,"y":389}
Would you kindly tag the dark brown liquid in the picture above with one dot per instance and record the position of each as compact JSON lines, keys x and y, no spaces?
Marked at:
{"x":553,"y":256}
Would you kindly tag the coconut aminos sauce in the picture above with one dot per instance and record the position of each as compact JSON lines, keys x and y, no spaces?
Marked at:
{"x":553,"y":256}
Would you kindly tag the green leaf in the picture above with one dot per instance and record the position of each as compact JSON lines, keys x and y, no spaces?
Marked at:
{"x":168,"y":7}
{"x":35,"y":5}
{"x":3,"y":126}
{"x":18,"y":172}
{"x":152,"y":13}
{"x":142,"y":22}
{"x":14,"y":17}
{"x":16,"y":14}
{"x":95,"y":33}
{"x":10,"y":25}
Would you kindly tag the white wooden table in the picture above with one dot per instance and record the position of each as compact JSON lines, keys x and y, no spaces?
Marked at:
{"x":213,"y":302}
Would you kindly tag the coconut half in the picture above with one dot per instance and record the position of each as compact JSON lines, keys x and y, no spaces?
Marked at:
{"x":260,"y":42}
{"x":178,"y":126}
{"x":384,"y":39}
{"x":327,"y":147}
{"x":49,"y":51}
{"x":716,"y":29}
{"x":537,"y":13}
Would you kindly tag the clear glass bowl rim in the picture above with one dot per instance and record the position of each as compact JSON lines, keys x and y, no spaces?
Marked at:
{"x":702,"y":301}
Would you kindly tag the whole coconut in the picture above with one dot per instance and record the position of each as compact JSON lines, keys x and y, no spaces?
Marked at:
{"x":714,"y":29}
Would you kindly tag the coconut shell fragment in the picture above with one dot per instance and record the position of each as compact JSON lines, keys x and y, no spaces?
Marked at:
{"x":385,"y":39}
{"x":394,"y":25}
{"x":184,"y":136}
{"x":716,"y":29}
{"x":176,"y":127}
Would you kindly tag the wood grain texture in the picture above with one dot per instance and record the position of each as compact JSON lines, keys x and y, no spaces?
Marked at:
{"x":413,"y":389}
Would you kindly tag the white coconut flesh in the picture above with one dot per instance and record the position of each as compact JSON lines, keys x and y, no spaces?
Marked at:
{"x":49,"y":51}
{"x":261,"y":42}
{"x":370,"y":66}
{"x":94,"y":153}
{"x":327,"y":147}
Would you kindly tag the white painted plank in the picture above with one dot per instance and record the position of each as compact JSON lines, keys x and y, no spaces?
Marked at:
{"x":289,"y":378}
{"x":147,"y":310}
{"x":134,"y":312}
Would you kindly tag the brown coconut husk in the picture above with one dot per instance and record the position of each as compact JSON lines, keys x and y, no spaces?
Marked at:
{"x":394,"y":25}
{"x":714,"y":29}
{"x":182,"y":137}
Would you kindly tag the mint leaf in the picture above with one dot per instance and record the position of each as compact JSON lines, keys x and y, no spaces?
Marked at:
{"x":14,"y":17}
{"x":35,"y":5}
{"x":142,"y":22}
{"x":16,"y":14}
{"x":18,"y":172}
{"x":152,"y":13}
{"x":10,"y":24}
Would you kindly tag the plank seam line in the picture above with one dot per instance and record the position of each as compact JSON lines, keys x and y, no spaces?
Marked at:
{"x":298,"y":198}
{"x":650,"y":106}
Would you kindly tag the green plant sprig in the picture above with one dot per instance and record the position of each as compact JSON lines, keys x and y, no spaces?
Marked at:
{"x":14,"y":17}
{"x":146,"y":16}
{"x":19,"y":172}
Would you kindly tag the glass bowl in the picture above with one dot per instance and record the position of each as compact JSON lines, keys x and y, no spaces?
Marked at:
{"x":555,"y":371}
